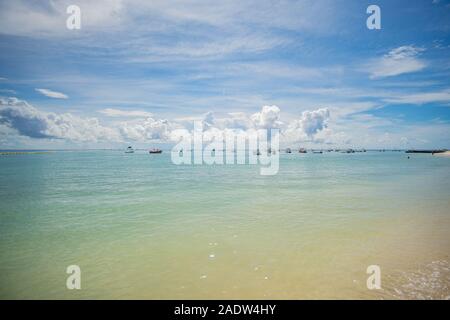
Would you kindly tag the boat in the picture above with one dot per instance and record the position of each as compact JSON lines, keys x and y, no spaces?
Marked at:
{"x":129,"y":150}
{"x":302,"y":150}
{"x":288,"y":150}
{"x":317,"y":151}
{"x":155,"y":150}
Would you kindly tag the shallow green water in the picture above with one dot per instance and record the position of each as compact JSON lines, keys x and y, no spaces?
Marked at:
{"x":141,"y":227}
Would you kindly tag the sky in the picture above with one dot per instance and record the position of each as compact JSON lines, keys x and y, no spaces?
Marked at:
{"x":138,"y":71}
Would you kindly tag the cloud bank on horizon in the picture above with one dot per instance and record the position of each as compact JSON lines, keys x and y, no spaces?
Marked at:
{"x":20,"y":117}
{"x":141,"y":71}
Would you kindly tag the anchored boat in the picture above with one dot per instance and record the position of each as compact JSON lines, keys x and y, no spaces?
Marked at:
{"x":155,"y":150}
{"x":129,"y":150}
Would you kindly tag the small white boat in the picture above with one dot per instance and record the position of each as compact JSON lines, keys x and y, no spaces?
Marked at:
{"x":129,"y":150}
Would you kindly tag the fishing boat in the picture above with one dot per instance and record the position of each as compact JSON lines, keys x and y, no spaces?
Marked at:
{"x":288,"y":150}
{"x":129,"y":150}
{"x":155,"y":150}
{"x":302,"y":150}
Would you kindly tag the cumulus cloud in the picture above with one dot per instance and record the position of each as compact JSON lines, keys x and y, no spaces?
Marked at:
{"x":146,"y":130}
{"x":309,"y":124}
{"x":208,"y":120}
{"x":398,"y":61}
{"x":269,"y":117}
{"x":29,"y":121}
{"x":24,"y":119}
{"x":307,"y":128}
{"x":237,"y":120}
{"x":313,"y":121}
{"x":52,"y":94}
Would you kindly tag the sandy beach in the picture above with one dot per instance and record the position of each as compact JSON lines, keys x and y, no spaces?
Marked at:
{"x":443,"y":154}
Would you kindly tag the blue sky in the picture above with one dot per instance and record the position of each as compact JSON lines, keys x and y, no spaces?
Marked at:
{"x":138,"y":70}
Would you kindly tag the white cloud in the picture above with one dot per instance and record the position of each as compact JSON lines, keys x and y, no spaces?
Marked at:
{"x":208,"y":48}
{"x":146,"y":130}
{"x":48,"y":18}
{"x":29,"y":121}
{"x":110,"y":112}
{"x":398,"y":61}
{"x":320,"y":127}
{"x":208,"y":120}
{"x":237,"y":120}
{"x":421,"y":98}
{"x":52,"y":94}
{"x":269,"y":117}
{"x":309,"y":124}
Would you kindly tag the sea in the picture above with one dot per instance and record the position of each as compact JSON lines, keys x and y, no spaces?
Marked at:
{"x":140,"y":227}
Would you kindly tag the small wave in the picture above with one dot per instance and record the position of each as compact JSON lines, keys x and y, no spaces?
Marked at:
{"x":429,"y":282}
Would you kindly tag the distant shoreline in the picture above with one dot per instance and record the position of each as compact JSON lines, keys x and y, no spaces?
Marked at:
{"x":443,"y":154}
{"x":11,"y":153}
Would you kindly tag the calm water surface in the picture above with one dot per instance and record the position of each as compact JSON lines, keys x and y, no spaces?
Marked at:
{"x":141,"y":227}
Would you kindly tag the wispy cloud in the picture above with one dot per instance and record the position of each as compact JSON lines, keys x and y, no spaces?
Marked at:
{"x":8,"y":91}
{"x":398,"y":61}
{"x":110,"y":112}
{"x":52,"y":94}
{"x":181,"y":59}
{"x":422,"y":98}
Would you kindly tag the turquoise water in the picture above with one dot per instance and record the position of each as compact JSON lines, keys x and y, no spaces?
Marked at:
{"x":141,"y":227}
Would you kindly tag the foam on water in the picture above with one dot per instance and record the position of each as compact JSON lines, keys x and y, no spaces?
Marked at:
{"x":431,"y":281}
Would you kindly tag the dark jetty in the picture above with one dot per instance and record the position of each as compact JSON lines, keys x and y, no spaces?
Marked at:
{"x":425,"y":151}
